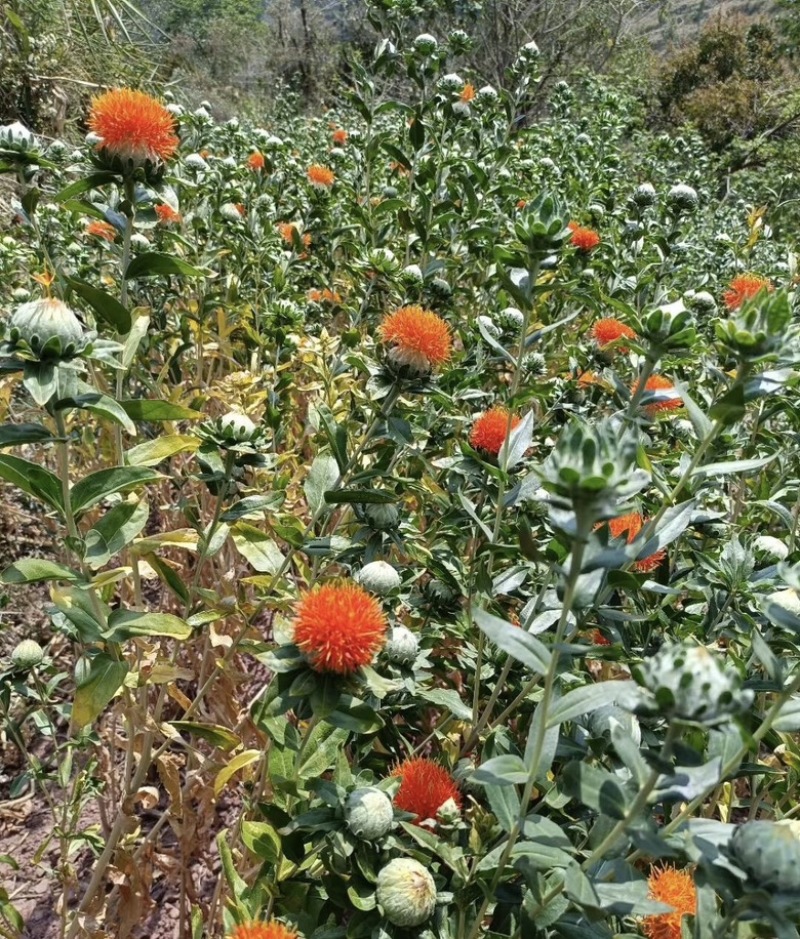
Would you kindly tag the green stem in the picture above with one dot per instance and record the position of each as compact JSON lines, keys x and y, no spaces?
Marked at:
{"x":533,"y":275}
{"x":578,"y":550}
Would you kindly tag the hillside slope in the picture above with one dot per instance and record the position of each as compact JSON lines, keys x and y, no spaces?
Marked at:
{"x":674,"y":21}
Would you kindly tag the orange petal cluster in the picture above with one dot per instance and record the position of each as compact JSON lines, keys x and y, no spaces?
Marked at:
{"x":490,"y":430}
{"x":320,"y":177}
{"x":584,"y":239}
{"x":266,"y":930}
{"x":167,"y":215}
{"x":659,"y":383}
{"x":133,"y":126}
{"x":256,"y":161}
{"x":608,"y":330}
{"x":419,"y":338}
{"x":424,"y":789}
{"x":324,"y":296}
{"x":287,"y":231}
{"x":340,"y":137}
{"x":675,"y":888}
{"x":102,"y":230}
{"x":467,"y":93}
{"x":629,"y":526}
{"x":339,"y":627}
{"x":743,"y":287}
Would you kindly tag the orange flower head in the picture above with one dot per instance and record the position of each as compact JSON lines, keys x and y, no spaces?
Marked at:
{"x":490,"y":430}
{"x":743,"y":287}
{"x":324,"y":296}
{"x":287,"y":232}
{"x":424,"y":789}
{"x":629,"y":526}
{"x":339,"y":137}
{"x":467,"y":93}
{"x":608,"y":330}
{"x":133,"y":126}
{"x":320,"y":177}
{"x":420,"y":339}
{"x":339,"y":627}
{"x":167,"y":215}
{"x":102,"y":230}
{"x":256,"y":161}
{"x":522,"y":203}
{"x":675,"y":888}
{"x":598,"y":639}
{"x":584,"y":239}
{"x":264,"y":930}
{"x":659,"y":383}
{"x":240,"y":208}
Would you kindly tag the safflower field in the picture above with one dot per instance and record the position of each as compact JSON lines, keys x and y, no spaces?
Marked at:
{"x":424,"y":499}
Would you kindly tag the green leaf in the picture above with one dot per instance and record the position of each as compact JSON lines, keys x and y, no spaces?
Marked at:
{"x":98,"y":486}
{"x":94,"y":181}
{"x":321,"y":750}
{"x":673,"y":524}
{"x":33,"y":479}
{"x":734,"y":466}
{"x":515,"y":641}
{"x":588,"y":698}
{"x":730,"y":407}
{"x":257,"y":547}
{"x":143,"y":409}
{"x":152,"y":264}
{"x":102,"y":405}
{"x":220,"y":737}
{"x":162,"y":448}
{"x":323,"y":476}
{"x":507,"y":770}
{"x":116,"y":529}
{"x":35,"y":570}
{"x":102,"y":681}
{"x":106,"y":308}
{"x":449,"y":699}
{"x":360,"y":496}
{"x":125,"y":624}
{"x":169,"y":576}
{"x":595,"y":788}
{"x":261,"y":839}
{"x":12,"y":435}
{"x":253,"y":505}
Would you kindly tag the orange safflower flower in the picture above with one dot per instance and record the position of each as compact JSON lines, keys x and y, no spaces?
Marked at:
{"x":490,"y":430}
{"x":675,"y":888}
{"x":240,"y":208}
{"x":133,"y":126}
{"x":420,"y":339}
{"x":102,"y":230}
{"x":205,"y":154}
{"x":629,"y":526}
{"x":658,"y":383}
{"x":268,"y":930}
{"x":324,"y":296}
{"x":588,"y":379}
{"x":424,"y":789}
{"x":320,"y":177}
{"x":584,"y":239}
{"x":608,"y":330}
{"x":340,"y":627}
{"x":598,"y":639}
{"x":340,"y":136}
{"x":256,"y":161}
{"x":287,"y":232}
{"x":743,"y":287}
{"x":167,"y":215}
{"x":467,"y":93}
{"x":522,"y":203}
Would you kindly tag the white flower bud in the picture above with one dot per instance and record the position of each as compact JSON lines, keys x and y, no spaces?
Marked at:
{"x":406,"y":892}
